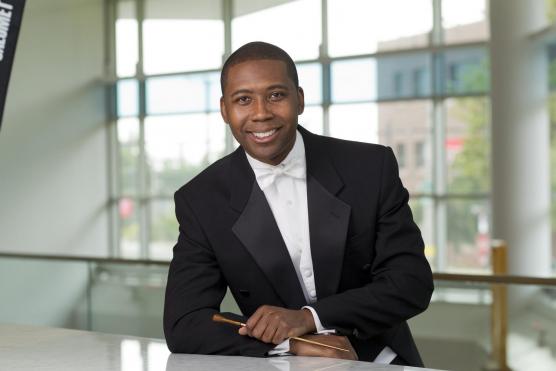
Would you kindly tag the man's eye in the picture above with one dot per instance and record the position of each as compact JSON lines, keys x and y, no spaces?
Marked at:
{"x":243,"y":100}
{"x":277,"y":95}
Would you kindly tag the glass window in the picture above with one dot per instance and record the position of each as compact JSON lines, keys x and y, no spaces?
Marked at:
{"x":128,"y":97}
{"x":368,"y":26}
{"x":180,"y":37}
{"x":128,"y":214}
{"x":300,"y":36}
{"x":468,"y":235}
{"x":216,"y":141}
{"x":358,"y":122}
{"x":466,"y":70}
{"x":310,"y":79}
{"x":180,"y":94}
{"x":552,"y":108}
{"x":311,"y":119}
{"x":420,"y":154}
{"x":179,"y":147}
{"x":467,"y":145}
{"x":551,"y":50}
{"x":407,"y":123}
{"x":464,"y":21}
{"x":400,"y":154}
{"x":403,"y":76}
{"x":398,"y":83}
{"x":128,"y":161}
{"x":420,"y":83}
{"x":354,"y":80}
{"x":423,"y":215}
{"x":212,"y":81}
{"x":127,"y":39}
{"x":550,"y":11}
{"x":382,"y":98}
{"x":163,"y":229}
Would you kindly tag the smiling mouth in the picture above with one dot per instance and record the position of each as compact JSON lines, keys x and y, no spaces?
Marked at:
{"x":263,"y":136}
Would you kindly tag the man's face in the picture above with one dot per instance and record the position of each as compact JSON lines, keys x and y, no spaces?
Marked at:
{"x":261,"y":105}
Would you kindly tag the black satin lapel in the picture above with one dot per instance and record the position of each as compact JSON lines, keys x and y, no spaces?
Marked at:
{"x":328,"y":225}
{"x":318,"y":162}
{"x":256,"y":228}
{"x":241,"y":178}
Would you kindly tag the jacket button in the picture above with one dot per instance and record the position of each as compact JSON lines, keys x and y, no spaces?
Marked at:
{"x":366,"y":267}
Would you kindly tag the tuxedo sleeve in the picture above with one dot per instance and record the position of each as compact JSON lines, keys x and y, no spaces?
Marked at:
{"x":194,"y":292}
{"x":400,"y":283}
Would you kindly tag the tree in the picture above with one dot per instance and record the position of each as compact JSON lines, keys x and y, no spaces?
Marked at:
{"x":471,"y":166}
{"x":552,"y":112}
{"x":551,"y":10}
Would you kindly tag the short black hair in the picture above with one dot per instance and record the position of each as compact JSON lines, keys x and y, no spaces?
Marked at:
{"x":258,"y":50}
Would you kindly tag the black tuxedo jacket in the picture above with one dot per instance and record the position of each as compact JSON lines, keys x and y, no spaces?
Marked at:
{"x":370,"y":271}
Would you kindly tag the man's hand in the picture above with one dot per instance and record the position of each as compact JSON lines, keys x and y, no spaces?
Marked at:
{"x":305,"y":349}
{"x":274,"y":324}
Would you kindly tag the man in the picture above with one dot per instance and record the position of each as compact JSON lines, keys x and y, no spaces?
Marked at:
{"x":311,"y":234}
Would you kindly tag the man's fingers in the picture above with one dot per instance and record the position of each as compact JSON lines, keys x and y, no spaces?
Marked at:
{"x":261,"y":326}
{"x":252,"y":321}
{"x":275,"y":324}
{"x":261,"y":312}
{"x":268,"y":334}
{"x":281,"y":333}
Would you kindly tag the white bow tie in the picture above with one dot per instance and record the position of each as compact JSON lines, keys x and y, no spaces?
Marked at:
{"x":267,"y":175}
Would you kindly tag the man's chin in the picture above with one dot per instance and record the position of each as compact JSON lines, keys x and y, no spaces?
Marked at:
{"x":266,"y":157}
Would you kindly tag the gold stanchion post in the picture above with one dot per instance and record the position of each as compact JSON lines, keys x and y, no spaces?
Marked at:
{"x":499,"y":309}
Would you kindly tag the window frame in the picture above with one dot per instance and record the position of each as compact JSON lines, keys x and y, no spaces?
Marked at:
{"x":439,"y":197}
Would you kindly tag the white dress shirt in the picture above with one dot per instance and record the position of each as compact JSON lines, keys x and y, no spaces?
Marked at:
{"x":285,"y":189}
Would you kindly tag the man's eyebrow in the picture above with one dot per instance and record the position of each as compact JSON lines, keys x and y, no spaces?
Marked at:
{"x":278,"y":86}
{"x":241,"y":91}
{"x":249,"y":91}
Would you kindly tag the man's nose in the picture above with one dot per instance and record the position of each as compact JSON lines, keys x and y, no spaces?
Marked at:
{"x":262,"y":111}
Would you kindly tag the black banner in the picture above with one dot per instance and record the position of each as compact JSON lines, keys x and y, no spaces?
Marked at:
{"x":11,"y":13}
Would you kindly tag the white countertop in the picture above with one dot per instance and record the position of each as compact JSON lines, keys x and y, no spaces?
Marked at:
{"x":24,"y":347}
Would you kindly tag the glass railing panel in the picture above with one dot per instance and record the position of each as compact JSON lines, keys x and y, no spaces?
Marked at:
{"x":459,"y":329}
{"x":464,"y":328}
{"x":128,"y":299}
{"x":43,"y":292}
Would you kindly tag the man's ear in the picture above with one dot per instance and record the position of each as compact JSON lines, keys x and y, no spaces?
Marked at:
{"x":223,"y":110}
{"x":301,"y":100}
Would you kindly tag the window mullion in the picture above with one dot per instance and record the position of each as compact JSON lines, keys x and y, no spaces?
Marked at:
{"x":144,"y":191}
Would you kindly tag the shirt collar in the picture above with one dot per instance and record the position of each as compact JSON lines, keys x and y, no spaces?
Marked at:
{"x":297,"y":153}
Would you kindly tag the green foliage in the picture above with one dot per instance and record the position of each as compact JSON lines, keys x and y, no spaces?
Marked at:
{"x":471,"y":165}
{"x":552,"y":115}
{"x":130,"y":230}
{"x":129,"y":165}
{"x":552,"y":112}
{"x":166,"y":181}
{"x":165,"y":227}
{"x":163,"y":182}
{"x":172,"y":176}
{"x":551,"y":10}
{"x":470,"y":171}
{"x":552,"y":77}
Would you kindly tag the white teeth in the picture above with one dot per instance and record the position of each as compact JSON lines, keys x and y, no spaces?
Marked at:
{"x":264,"y":134}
